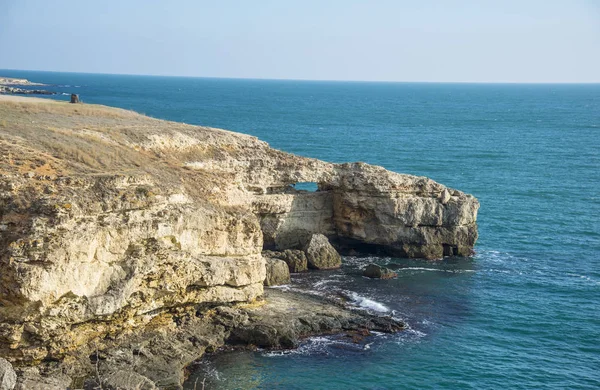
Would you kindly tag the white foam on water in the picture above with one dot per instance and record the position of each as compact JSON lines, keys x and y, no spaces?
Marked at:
{"x":415,"y":332}
{"x":284,"y":287}
{"x":367,"y":303}
{"x":313,"y":345}
{"x":209,"y":371}
{"x":322,"y":283}
{"x":585,"y":278}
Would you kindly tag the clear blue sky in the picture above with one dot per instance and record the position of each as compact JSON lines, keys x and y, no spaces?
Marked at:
{"x":394,"y":40}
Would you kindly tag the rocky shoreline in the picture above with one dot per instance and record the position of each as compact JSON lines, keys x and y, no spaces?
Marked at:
{"x":130,"y":246}
{"x":10,"y":86}
{"x":157,"y":357}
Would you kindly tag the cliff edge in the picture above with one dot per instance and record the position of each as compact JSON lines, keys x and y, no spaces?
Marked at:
{"x":108,"y":218}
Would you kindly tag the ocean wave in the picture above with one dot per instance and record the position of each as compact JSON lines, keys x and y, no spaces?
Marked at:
{"x":323,"y":283}
{"x":416,"y":332}
{"x":367,"y":303}
{"x":586,"y":279}
{"x":313,"y":345}
{"x":284,"y":287}
{"x":409,"y":336}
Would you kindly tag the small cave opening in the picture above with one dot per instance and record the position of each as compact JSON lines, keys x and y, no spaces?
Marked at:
{"x":306,"y":186}
{"x":450,"y":250}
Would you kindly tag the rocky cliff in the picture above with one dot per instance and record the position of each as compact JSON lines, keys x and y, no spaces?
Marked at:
{"x":109,"y":218}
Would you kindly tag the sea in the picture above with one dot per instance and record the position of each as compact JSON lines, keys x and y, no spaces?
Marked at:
{"x":522,"y":313}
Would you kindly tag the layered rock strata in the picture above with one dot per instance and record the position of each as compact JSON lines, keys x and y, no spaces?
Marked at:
{"x":109,"y":218}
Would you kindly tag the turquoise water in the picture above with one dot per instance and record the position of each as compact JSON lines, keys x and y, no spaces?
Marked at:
{"x":523,"y":313}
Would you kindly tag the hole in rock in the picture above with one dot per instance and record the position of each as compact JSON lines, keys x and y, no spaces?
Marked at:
{"x":450,"y":250}
{"x":309,"y":186}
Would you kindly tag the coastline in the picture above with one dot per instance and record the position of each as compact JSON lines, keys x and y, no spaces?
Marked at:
{"x":98,"y":161}
{"x":11,"y":86}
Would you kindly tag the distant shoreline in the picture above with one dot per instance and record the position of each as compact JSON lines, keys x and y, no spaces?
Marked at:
{"x":7,"y":87}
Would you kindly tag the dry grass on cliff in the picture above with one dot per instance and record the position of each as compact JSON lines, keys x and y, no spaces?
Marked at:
{"x":41,"y":106}
{"x":49,"y":138}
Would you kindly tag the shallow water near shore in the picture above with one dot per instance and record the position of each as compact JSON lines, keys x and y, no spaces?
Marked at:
{"x":523,"y":313}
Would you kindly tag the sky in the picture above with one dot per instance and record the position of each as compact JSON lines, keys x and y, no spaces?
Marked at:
{"x":370,"y":40}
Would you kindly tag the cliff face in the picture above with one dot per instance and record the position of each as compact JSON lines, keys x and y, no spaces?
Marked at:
{"x":108,"y":218}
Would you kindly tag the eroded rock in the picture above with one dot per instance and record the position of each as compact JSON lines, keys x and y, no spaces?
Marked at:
{"x":320,"y":254}
{"x":278,"y":272}
{"x":109,"y":219}
{"x":287,"y":317}
{"x":375,"y":271}
{"x":294,"y":258}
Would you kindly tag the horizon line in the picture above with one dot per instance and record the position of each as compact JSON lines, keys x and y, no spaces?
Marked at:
{"x":305,"y":79}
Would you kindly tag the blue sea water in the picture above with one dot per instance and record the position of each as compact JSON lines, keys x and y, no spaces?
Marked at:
{"x":523,"y":313}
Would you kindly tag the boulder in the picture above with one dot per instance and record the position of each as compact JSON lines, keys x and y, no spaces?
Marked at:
{"x":320,"y":254}
{"x":294,"y":258}
{"x":8,"y":377}
{"x":278,"y":272}
{"x":375,"y":271}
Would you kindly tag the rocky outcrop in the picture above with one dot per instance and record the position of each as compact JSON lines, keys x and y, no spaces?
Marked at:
{"x":22,"y":91}
{"x":7,"y":86}
{"x":274,"y":326}
{"x":375,"y":271}
{"x":366,"y":208}
{"x":109,"y":220}
{"x":402,"y":215}
{"x":320,"y":254}
{"x":16,"y":81}
{"x":278,"y":272}
{"x":294,"y":258}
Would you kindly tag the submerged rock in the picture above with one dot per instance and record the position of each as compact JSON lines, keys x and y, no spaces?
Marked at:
{"x":375,"y":271}
{"x":278,"y":272}
{"x":320,"y":254}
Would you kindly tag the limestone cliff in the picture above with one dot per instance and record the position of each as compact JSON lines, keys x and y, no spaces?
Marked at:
{"x":108,"y":218}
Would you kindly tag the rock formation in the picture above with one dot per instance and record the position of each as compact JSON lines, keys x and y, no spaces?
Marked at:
{"x":320,"y":254}
{"x":294,"y":258}
{"x":22,"y":91}
{"x":109,"y":219}
{"x":278,"y":272}
{"x":375,"y":271}
{"x":7,"y":86}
